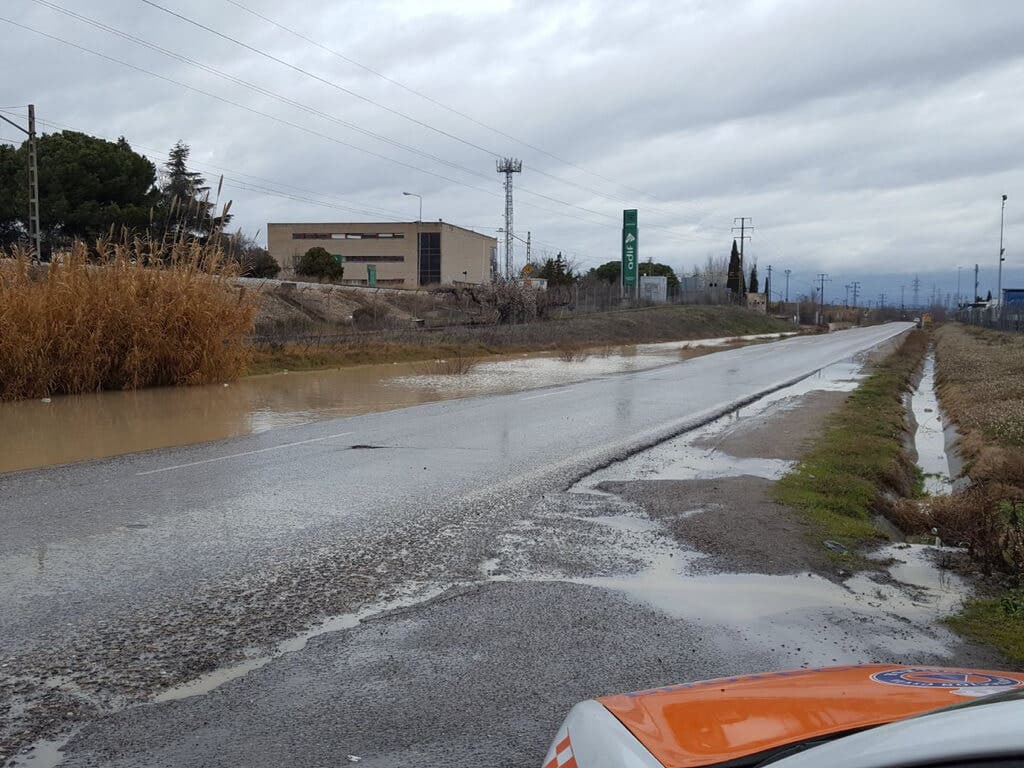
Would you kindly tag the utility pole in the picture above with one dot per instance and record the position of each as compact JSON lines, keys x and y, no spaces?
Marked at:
{"x":881,"y":300}
{"x":768,"y":287}
{"x":528,"y":255}
{"x":34,"y":228}
{"x":959,"y":297}
{"x":846,"y":301}
{"x":788,"y":273}
{"x":976,"y":294}
{"x":917,"y":290}
{"x":855,"y":285}
{"x":823,"y":278}
{"x":902,"y":295}
{"x":998,"y":285}
{"x":743,"y":227}
{"x":508,"y":166}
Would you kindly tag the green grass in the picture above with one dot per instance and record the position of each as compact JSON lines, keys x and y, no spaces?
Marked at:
{"x":839,"y":485}
{"x":998,"y":621}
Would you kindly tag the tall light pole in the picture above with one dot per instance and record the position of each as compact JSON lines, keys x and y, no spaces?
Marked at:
{"x":999,"y":283}
{"x":419,"y":221}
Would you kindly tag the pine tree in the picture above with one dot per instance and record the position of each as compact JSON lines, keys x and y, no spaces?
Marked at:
{"x":735,"y":276}
{"x":185,"y":207}
{"x":753,"y":279}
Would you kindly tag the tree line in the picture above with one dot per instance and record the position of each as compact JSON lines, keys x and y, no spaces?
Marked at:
{"x":90,"y":188}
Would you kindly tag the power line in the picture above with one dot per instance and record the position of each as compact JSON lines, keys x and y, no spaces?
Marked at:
{"x":450,"y":109}
{"x":303,"y":128}
{"x":288,"y":123}
{"x":318,"y":134}
{"x":368,"y":100}
{"x":306,"y":195}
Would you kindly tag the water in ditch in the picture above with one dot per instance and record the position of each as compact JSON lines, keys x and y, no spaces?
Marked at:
{"x":932,"y":435}
{"x":73,"y":428}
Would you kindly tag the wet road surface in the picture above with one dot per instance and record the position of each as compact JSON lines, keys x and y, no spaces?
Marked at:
{"x":126,"y":576}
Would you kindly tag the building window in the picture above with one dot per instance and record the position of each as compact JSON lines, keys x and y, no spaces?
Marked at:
{"x":372,"y":259}
{"x":430,"y":258}
{"x":348,"y":235}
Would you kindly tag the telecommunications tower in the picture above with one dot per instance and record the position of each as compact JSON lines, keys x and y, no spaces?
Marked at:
{"x":508,"y":166}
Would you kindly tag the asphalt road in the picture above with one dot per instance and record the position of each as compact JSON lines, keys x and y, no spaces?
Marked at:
{"x":124,"y":576}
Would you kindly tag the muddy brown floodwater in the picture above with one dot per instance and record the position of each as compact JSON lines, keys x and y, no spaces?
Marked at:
{"x":81,"y":427}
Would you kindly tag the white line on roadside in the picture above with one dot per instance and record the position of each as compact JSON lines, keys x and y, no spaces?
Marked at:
{"x":546,"y":394}
{"x":244,"y":453}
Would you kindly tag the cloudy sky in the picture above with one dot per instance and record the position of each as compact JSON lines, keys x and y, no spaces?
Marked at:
{"x":868,"y":140}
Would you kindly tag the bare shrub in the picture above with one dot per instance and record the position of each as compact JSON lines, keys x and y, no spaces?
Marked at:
{"x":568,"y":352}
{"x":455,"y":365}
{"x":371,"y":317}
{"x":138,"y":314}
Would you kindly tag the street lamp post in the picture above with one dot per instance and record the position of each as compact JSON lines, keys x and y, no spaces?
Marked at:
{"x":999,"y":284}
{"x":419,"y":221}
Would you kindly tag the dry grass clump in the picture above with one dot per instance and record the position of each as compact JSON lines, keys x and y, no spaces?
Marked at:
{"x":136,"y":314}
{"x":455,"y":365}
{"x":980,"y":382}
{"x":981,"y":388}
{"x":570,"y":352}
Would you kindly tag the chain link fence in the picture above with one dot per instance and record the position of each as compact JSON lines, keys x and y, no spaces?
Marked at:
{"x":1007,"y":318}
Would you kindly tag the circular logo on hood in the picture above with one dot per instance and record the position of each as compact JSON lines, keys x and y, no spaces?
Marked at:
{"x":943,"y":678}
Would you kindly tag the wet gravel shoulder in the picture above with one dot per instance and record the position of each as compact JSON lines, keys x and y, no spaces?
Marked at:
{"x":734,"y":521}
{"x":481,"y":677}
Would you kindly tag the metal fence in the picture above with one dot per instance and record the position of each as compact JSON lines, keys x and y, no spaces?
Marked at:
{"x":1007,"y":318}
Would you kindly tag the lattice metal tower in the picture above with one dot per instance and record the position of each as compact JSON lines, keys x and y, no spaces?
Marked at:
{"x":508,"y":166}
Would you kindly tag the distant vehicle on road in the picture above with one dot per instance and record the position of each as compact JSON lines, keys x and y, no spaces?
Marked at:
{"x":873,"y":716}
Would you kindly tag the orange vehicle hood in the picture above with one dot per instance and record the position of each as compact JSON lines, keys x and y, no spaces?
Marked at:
{"x":716,"y":721}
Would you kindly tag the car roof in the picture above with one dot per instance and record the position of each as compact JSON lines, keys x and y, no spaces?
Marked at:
{"x":951,"y":736}
{"x":726,"y":720}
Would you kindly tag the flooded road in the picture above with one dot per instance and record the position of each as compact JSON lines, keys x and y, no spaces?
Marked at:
{"x":138,"y":577}
{"x":93,"y":426}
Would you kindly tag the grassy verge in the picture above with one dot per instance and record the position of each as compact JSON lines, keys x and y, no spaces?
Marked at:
{"x":998,"y":621}
{"x":981,"y":389}
{"x":843,"y":481}
{"x":593,"y":331}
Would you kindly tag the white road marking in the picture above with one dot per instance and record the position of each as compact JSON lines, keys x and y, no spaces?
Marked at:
{"x":244,"y":453}
{"x":546,"y":394}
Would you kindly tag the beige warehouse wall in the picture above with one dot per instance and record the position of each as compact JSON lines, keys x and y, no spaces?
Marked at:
{"x":461,"y":250}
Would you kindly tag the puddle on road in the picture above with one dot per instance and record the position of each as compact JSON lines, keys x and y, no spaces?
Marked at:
{"x":930,"y":438}
{"x":81,"y":427}
{"x":689,"y":457}
{"x":804,"y":619}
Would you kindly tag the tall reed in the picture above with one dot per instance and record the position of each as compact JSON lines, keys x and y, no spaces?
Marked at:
{"x":135,"y":313}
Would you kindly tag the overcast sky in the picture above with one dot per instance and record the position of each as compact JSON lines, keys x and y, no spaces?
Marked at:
{"x":869,"y":140}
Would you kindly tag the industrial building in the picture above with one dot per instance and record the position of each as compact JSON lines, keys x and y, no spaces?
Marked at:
{"x":405,"y":254}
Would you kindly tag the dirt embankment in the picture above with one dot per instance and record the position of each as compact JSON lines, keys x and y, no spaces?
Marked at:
{"x":632,"y":326}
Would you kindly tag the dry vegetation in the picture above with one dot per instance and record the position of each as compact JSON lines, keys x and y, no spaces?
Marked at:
{"x":982,"y":391}
{"x":981,"y":388}
{"x":457,"y":364}
{"x":132,"y":314}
